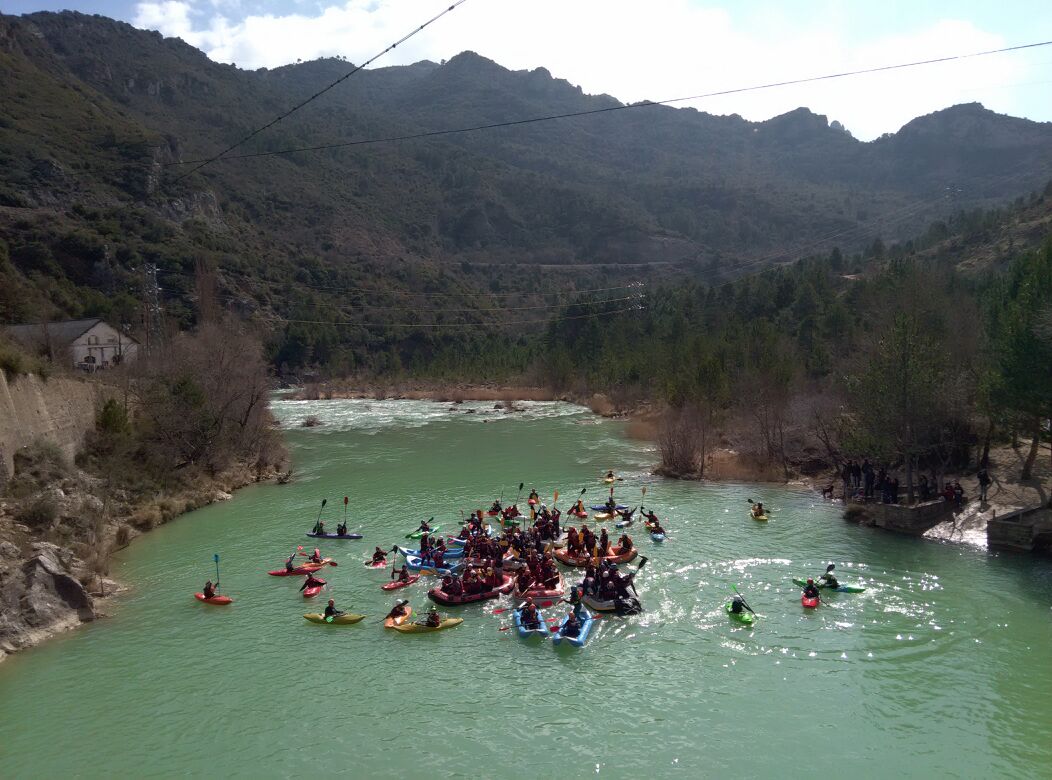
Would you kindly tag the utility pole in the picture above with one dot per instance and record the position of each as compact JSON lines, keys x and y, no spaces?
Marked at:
{"x":153,"y":315}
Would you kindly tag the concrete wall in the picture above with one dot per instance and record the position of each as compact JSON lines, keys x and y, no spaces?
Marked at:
{"x":61,"y":410}
{"x":913,"y":520}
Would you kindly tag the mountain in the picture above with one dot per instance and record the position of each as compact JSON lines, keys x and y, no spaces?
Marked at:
{"x":95,"y":117}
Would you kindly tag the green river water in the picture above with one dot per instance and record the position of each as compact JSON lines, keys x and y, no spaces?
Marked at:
{"x":942,"y":668}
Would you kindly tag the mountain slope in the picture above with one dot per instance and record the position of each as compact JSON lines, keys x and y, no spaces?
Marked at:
{"x":93,"y":114}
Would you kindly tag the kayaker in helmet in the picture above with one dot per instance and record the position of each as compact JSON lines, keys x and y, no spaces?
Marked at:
{"x":572,"y":626}
{"x":604,"y":543}
{"x":380,"y":556}
{"x":210,"y":589}
{"x":610,"y":474}
{"x":290,"y":563}
{"x":397,"y":611}
{"x":757,"y":509}
{"x":737,"y":605}
{"x":341,"y":529}
{"x":610,"y":506}
{"x":315,"y":557}
{"x":530,"y":617}
{"x":811,"y":590}
{"x":496,"y":507}
{"x":434,"y":620}
{"x":829,"y":579}
{"x":650,"y":516}
{"x":402,"y":574}
{"x":576,"y":593}
{"x":310,"y":581}
{"x":330,"y":609}
{"x":624,"y":544}
{"x":319,"y":527}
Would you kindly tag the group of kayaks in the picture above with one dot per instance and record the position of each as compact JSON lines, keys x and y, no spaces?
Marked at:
{"x":542,"y":631}
{"x":748,"y":618}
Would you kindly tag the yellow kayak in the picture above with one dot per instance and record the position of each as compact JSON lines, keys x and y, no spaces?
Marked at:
{"x":397,"y":621}
{"x":605,"y":515}
{"x":609,"y":480}
{"x":761,"y":518}
{"x":343,"y":620}
{"x":416,"y":628}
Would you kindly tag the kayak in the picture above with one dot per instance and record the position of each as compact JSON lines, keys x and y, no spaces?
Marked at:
{"x":396,"y":584}
{"x":214,"y":599}
{"x":581,"y":515}
{"x":632,"y":607}
{"x":391,"y":622}
{"x":808,"y":603}
{"x":306,"y":568}
{"x":624,"y":523}
{"x":334,"y":536}
{"x":744,"y":617}
{"x":603,"y":508}
{"x":457,"y":552}
{"x":416,"y":628}
{"x":526,"y":633}
{"x":309,"y":593}
{"x":542,"y":593}
{"x":657,"y":537}
{"x":345,"y":619}
{"x":418,"y":533}
{"x":582,"y":636}
{"x":369,"y":564}
{"x":533,"y":501}
{"x":512,"y":520}
{"x":604,"y":516}
{"x":460,"y":541}
{"x":492,"y":513}
{"x":581,"y":561}
{"x":841,"y":588}
{"x":415,"y":563}
{"x":439,"y":596}
{"x":609,"y":480}
{"x":760,"y":518}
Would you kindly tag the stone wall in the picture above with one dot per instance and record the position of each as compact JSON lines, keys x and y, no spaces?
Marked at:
{"x":60,"y":409}
{"x":913,"y":520}
{"x":1019,"y":530}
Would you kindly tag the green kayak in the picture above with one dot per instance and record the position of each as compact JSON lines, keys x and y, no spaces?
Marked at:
{"x":841,"y":588}
{"x":745,"y":618}
{"x":418,"y":533}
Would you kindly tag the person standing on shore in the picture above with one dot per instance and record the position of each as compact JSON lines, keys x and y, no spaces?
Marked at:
{"x":856,"y":475}
{"x":984,"y":483}
{"x":868,"y":477}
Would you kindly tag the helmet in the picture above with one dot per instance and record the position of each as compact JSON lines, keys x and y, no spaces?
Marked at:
{"x":331,"y":602}
{"x":810,"y":580}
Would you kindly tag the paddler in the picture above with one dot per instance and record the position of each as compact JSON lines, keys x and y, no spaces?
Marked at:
{"x":290,"y":565}
{"x":576,"y":594}
{"x":828,"y":579}
{"x":330,"y":609}
{"x":424,"y":526}
{"x":624,"y":544}
{"x":496,"y":507}
{"x":434,"y":620}
{"x":652,"y":519}
{"x":209,"y":590}
{"x":319,"y":527}
{"x":579,"y":508}
{"x":402,"y":574}
{"x":529,"y":617}
{"x":534,"y":497}
{"x":611,"y":506}
{"x":737,"y":605}
{"x":380,"y":556}
{"x":310,"y":581}
{"x":572,"y":627}
{"x":341,"y":529}
{"x":315,"y":557}
{"x":604,"y":543}
{"x":397,"y":611}
{"x":757,"y":509}
{"x":811,"y":590}
{"x":610,"y":474}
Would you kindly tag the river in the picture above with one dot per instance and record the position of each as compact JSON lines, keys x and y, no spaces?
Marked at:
{"x":942,"y":668}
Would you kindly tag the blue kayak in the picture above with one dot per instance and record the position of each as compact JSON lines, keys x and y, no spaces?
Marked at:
{"x":333,"y":536}
{"x":456,"y":552}
{"x":603,"y":508}
{"x":582,"y":637}
{"x":657,"y":537}
{"x":414,"y":563}
{"x":526,"y":633}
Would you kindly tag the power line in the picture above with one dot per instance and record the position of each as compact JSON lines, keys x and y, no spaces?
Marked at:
{"x":321,"y":92}
{"x":610,"y":109}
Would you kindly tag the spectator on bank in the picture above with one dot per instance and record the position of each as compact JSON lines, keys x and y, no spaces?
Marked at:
{"x":923,"y":489}
{"x":984,"y":483}
{"x":845,"y":476}
{"x":958,"y":495}
{"x":867,"y":477}
{"x":856,"y":474}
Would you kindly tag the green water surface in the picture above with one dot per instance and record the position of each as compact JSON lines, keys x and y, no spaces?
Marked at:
{"x":942,"y":668}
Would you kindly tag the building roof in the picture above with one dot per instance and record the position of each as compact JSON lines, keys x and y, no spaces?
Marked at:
{"x":61,"y":334}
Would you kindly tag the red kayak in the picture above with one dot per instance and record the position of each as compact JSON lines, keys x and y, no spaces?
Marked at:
{"x":492,"y":513}
{"x":809,"y":603}
{"x":380,"y":565}
{"x":396,"y":584}
{"x":309,"y":593}
{"x":533,"y":502}
{"x":306,"y":568}
{"x":214,"y":599}
{"x":439,"y":596}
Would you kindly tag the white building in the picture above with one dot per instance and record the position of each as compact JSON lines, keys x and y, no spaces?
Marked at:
{"x":91,"y":345}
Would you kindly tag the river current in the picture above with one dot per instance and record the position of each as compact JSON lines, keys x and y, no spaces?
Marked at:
{"x":941,"y":668}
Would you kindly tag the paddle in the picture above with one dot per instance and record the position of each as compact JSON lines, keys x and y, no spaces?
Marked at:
{"x":744,"y":602}
{"x":323,"y":502}
{"x":639,"y":568}
{"x":215,"y":557}
{"x":345,"y":500}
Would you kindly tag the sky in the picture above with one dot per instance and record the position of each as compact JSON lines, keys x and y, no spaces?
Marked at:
{"x":655,"y":49}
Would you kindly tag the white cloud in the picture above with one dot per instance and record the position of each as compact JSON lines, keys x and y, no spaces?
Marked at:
{"x":654,"y":50}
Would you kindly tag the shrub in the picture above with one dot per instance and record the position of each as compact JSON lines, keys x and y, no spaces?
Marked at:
{"x":39,"y":513}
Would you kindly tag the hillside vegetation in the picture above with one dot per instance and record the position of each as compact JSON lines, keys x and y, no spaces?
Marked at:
{"x":341,"y":256}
